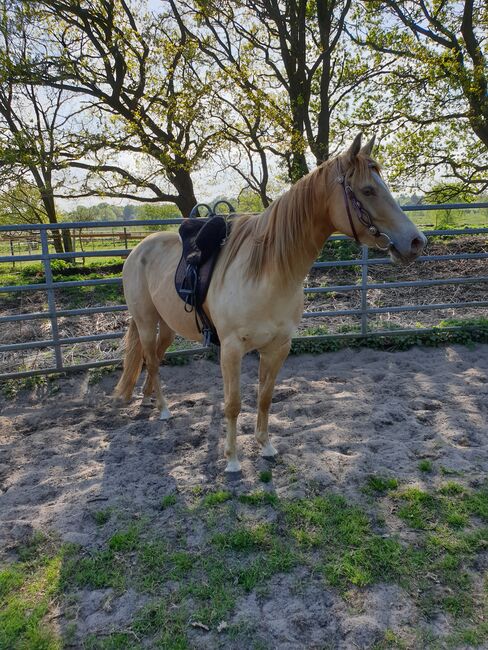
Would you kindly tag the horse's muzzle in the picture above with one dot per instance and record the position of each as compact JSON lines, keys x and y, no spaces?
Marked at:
{"x":408,"y":254}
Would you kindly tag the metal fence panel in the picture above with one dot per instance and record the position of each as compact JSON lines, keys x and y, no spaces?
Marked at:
{"x":56,"y":342}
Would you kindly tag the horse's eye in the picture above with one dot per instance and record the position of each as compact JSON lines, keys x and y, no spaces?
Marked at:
{"x":368,"y":191}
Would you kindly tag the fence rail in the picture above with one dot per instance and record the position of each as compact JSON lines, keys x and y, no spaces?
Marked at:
{"x":52,"y":314}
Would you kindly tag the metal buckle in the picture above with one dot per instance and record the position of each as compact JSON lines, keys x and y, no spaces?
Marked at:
{"x":388,"y":245}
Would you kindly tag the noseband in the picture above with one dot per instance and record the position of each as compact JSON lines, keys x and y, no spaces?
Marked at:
{"x":363,"y":215}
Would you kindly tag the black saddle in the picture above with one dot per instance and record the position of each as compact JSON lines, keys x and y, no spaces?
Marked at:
{"x":202,"y":242}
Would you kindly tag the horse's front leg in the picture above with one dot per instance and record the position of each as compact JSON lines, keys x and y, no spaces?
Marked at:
{"x":271,"y":360}
{"x":230,"y":361}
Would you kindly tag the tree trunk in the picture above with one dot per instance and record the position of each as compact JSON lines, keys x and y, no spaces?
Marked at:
{"x":61,"y":239}
{"x":186,"y":200}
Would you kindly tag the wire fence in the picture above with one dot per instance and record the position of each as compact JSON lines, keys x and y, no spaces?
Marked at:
{"x":39,"y":249}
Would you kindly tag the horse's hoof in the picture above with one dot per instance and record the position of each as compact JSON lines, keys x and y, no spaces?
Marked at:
{"x":233,"y":466}
{"x":147,"y":401}
{"x":165,"y":414}
{"x":269,"y":451}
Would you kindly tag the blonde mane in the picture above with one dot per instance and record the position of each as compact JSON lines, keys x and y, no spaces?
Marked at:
{"x":281,"y":235}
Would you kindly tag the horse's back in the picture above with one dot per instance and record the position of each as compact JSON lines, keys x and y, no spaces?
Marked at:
{"x":149,"y":287}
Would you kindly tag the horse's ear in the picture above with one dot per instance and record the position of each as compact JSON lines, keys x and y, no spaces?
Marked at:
{"x":354,"y":149}
{"x":368,"y":147}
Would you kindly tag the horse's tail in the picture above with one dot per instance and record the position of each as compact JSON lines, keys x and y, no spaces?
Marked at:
{"x":132,"y":362}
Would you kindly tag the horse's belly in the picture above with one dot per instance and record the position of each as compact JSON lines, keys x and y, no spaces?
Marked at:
{"x":257,"y":316}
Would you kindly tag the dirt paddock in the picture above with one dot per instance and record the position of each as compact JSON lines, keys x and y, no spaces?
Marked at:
{"x":336,"y":419}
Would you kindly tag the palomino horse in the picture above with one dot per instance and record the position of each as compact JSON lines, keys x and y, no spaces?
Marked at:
{"x":255,"y":299}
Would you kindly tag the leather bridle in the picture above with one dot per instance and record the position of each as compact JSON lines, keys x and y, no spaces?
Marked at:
{"x":363,"y":215}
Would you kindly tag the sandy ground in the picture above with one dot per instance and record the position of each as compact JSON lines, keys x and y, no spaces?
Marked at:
{"x":336,"y":419}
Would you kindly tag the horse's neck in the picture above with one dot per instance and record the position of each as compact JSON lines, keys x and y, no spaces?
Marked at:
{"x":312,"y":233}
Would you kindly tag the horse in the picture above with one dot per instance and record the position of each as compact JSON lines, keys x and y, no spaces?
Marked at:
{"x":255,"y":298}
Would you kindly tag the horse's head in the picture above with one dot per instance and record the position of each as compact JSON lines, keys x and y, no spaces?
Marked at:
{"x":363,"y":207}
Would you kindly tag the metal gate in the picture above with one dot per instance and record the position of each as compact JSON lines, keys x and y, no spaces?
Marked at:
{"x":40,"y":234}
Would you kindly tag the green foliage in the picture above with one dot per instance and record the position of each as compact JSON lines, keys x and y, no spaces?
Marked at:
{"x":21,"y":204}
{"x":434,"y":109}
{"x":116,"y":641}
{"x":471,"y":331}
{"x":248,"y":201}
{"x":95,"y":375}
{"x":97,"y":570}
{"x":98,"y":212}
{"x":11,"y":387}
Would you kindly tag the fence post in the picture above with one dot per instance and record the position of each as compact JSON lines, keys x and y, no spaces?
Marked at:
{"x":51,"y":298}
{"x":364,"y":290}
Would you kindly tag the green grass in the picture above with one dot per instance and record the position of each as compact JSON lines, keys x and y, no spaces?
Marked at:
{"x":245,"y":538}
{"x":216,"y":498}
{"x":259,"y":498}
{"x":167,"y":501}
{"x":28,"y":591}
{"x":425,"y":466}
{"x":124,"y":540}
{"x":102,"y":516}
{"x":266,"y":476}
{"x":243,"y":542}
{"x":380,"y":484}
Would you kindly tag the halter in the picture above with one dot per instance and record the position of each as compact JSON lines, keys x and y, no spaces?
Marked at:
{"x":362,"y":214}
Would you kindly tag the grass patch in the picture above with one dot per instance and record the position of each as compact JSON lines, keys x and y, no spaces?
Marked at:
{"x":96,"y":570}
{"x":166,"y":622}
{"x":95,"y":375}
{"x":279,"y":559}
{"x":425,"y":466}
{"x":245,"y":538}
{"x":470,"y":332}
{"x":216,"y":498}
{"x":101,"y":517}
{"x":117,"y":641}
{"x":265,"y":476}
{"x":124,"y":540}
{"x":28,"y":590}
{"x":380,"y":485}
{"x":242,"y":550}
{"x":259,"y":499}
{"x":167,"y":501}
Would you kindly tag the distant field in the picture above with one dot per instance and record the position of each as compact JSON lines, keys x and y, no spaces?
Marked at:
{"x":475,"y":218}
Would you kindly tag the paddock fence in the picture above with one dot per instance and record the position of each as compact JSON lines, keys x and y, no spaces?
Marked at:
{"x":37,"y":243}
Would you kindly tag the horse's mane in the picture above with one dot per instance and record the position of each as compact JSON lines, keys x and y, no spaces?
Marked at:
{"x":282,"y":233}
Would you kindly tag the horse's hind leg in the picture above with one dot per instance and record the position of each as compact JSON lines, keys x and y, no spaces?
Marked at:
{"x":151,"y":346}
{"x":165,"y":338}
{"x":271,"y":360}
{"x":230,"y":361}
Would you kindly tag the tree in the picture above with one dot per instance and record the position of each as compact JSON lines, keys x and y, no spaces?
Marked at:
{"x":31,"y":127}
{"x":433,"y":105}
{"x":293,"y":72}
{"x":136,"y":69}
{"x":21,"y":203}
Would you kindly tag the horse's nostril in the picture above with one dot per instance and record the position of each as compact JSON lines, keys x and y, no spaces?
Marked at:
{"x":416,"y":245}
